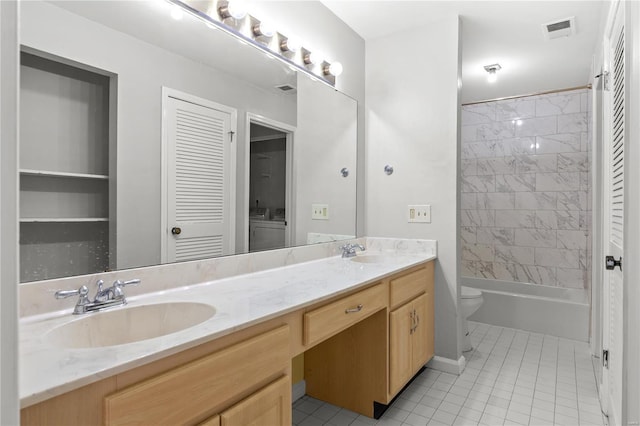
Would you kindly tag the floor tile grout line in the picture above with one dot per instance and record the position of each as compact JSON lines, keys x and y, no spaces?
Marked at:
{"x":533,"y":397}
{"x":493,"y":386}
{"x":519,"y":368}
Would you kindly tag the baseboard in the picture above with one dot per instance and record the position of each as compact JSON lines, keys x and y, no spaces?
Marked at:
{"x":298,"y":390}
{"x":448,"y":365}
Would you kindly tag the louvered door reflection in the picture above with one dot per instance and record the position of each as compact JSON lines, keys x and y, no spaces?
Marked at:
{"x":198,"y":193}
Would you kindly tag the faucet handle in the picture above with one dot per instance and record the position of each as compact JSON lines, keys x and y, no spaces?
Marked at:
{"x":63,"y":294}
{"x":120,"y":283}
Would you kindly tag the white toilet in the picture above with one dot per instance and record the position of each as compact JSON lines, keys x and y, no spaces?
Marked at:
{"x":470,"y":300}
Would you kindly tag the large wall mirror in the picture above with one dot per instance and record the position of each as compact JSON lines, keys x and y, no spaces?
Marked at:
{"x":146,"y":139}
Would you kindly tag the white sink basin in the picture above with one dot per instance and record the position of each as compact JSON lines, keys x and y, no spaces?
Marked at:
{"x":129,"y":324}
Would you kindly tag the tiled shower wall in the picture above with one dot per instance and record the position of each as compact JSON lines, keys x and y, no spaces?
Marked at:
{"x":525,"y":209}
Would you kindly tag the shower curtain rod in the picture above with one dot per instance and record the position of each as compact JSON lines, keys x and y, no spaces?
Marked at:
{"x":588,"y":86}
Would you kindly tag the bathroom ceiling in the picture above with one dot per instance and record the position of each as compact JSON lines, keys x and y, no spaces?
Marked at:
{"x":504,"y":32}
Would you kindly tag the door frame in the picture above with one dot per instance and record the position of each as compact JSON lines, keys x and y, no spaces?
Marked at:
{"x":164,"y":162}
{"x":597,"y":185}
{"x":631,"y":272}
{"x":290,"y":189}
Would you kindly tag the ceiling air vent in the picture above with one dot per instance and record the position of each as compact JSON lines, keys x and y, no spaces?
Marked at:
{"x":562,"y":28}
{"x":286,"y":88}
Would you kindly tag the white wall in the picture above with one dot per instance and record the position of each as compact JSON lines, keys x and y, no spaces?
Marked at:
{"x":9,"y":62}
{"x":142,"y":69}
{"x":412,"y":124}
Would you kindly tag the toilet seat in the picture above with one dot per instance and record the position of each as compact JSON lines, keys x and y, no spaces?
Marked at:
{"x":469,"y":293}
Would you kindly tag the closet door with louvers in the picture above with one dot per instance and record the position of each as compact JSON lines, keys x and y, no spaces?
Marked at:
{"x":198,"y":139}
{"x":613,"y":289}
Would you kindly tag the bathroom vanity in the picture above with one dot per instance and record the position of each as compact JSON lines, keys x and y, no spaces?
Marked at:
{"x":365,"y":325}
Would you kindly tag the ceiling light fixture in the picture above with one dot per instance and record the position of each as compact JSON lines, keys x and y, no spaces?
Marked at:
{"x":492,"y":70}
{"x":248,"y":30}
{"x":232,"y":9}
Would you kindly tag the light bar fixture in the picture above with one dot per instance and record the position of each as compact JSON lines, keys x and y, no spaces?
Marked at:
{"x":232,"y":17}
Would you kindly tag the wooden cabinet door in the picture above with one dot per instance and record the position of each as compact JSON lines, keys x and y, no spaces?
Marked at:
{"x":211,"y":421}
{"x":420,"y":336}
{"x":269,"y":406}
{"x":400,"y":365}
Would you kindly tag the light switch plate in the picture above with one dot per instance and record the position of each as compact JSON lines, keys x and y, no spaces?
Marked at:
{"x":419,"y":213}
{"x":320,"y":211}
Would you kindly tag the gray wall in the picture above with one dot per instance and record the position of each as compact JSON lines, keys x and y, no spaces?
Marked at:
{"x":412,"y":125}
{"x":142,"y":69}
{"x":9,"y":403}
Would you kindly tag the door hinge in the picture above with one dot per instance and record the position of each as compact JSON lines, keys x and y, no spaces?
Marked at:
{"x":606,"y":81}
{"x":605,"y":358}
{"x":610,"y":263}
{"x":231,"y":133}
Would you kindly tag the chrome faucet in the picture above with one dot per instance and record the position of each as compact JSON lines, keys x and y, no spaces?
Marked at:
{"x":349,"y":250}
{"x":105,"y":297}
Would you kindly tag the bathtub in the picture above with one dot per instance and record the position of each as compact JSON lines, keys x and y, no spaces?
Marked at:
{"x":562,"y":312}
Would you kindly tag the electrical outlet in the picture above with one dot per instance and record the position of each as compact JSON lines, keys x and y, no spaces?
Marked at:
{"x":320,"y":211}
{"x":419,"y":213}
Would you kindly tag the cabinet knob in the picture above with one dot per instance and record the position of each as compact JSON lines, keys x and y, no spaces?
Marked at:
{"x":176,"y":230}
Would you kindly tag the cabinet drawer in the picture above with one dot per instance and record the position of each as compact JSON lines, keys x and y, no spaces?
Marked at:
{"x":406,"y":287}
{"x":330,"y":319}
{"x":190,"y":392}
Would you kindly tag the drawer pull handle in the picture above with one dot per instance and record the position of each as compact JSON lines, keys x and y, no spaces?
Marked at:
{"x":353,"y":310}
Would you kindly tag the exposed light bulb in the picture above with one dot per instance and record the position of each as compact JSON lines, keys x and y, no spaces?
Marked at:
{"x":233,"y":9}
{"x":290,"y":44}
{"x":264,"y":29}
{"x":313,"y":58}
{"x":335,"y":69}
{"x":177,"y":13}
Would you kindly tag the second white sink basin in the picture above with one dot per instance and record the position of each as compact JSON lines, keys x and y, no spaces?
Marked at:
{"x":129,"y":324}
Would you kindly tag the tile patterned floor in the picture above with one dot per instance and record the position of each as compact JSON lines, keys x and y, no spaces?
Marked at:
{"x":512,"y":377}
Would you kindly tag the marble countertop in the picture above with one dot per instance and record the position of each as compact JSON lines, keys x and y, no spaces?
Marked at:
{"x":47,"y":370}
